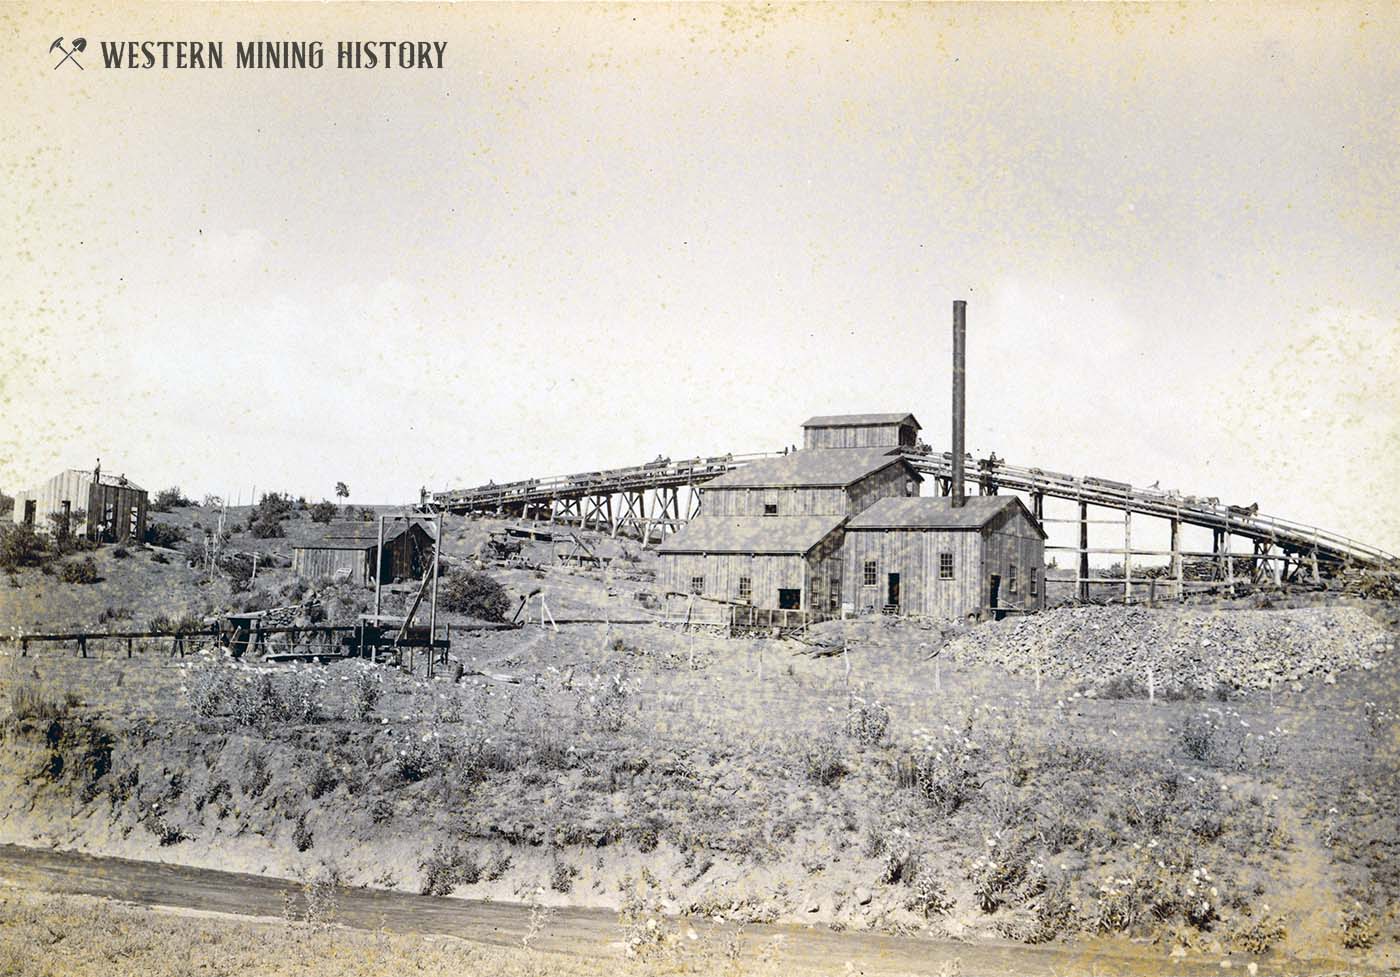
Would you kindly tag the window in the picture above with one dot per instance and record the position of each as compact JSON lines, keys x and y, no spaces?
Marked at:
{"x":746,"y":588}
{"x":871,"y":575}
{"x":945,"y":566}
{"x":697,"y":585}
{"x":1035,"y":583}
{"x":770,"y":508}
{"x":1011,"y":582}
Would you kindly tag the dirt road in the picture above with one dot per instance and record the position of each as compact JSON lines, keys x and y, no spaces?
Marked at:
{"x":583,"y":933}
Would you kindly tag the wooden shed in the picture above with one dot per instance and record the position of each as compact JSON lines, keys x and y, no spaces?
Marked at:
{"x":347,"y":550}
{"x":787,"y":562}
{"x":927,"y":557}
{"x":106,"y":508}
{"x":860,"y":431}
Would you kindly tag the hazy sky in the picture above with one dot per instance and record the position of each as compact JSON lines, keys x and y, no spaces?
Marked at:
{"x":608,"y":232}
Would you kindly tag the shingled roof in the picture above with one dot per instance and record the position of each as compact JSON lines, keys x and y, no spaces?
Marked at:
{"x":860,"y":420}
{"x":752,"y":534}
{"x":938,"y":513}
{"x":821,"y":468}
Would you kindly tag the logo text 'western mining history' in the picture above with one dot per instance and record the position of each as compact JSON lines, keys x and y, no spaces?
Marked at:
{"x":272,"y":54}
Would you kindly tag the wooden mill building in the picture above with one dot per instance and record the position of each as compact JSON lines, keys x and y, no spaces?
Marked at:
{"x":104,"y":508}
{"x":928,"y":557}
{"x":769,"y":534}
{"x":347,"y":550}
{"x":840,"y":526}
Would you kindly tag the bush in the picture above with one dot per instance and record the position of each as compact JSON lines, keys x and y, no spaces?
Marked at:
{"x":368,"y":688}
{"x":868,"y":723}
{"x":323,"y":511}
{"x":822,"y":760}
{"x":448,"y":867}
{"x":474,"y":594}
{"x":79,"y":571}
{"x":164,"y":535}
{"x":120,"y":553}
{"x":171,"y":498}
{"x":20,"y":546}
{"x":7,"y":504}
{"x":267,"y":528}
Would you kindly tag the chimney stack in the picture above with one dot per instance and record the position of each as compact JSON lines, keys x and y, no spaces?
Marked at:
{"x":959,"y":398}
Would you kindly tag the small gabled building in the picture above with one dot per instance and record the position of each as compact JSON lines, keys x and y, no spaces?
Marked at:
{"x":346,"y":550}
{"x":926,"y":556}
{"x":104,"y":508}
{"x":860,"y":431}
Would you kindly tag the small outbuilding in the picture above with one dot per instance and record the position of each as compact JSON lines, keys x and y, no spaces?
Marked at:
{"x":860,"y":431}
{"x":104,"y":508}
{"x":347,"y":550}
{"x":926,"y":556}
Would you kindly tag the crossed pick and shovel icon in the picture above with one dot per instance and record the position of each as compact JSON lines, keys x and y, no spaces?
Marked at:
{"x":79,"y":45}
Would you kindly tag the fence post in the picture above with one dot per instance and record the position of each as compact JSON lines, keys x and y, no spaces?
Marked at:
{"x":128,"y":647}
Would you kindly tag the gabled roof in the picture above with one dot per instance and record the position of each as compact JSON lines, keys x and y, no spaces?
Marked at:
{"x":938,"y":513}
{"x":818,"y":468}
{"x":859,"y":420}
{"x":117,"y":481}
{"x":795,"y":535}
{"x":359,"y":535}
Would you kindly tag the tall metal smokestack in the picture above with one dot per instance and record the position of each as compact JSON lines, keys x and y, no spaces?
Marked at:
{"x":959,"y":398}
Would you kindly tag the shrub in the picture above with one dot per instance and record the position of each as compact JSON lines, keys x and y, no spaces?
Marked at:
{"x":27,"y":701}
{"x":368,"y":687}
{"x":323,"y":511}
{"x":928,"y":898}
{"x":1259,"y":935}
{"x":120,"y":553}
{"x":944,"y":775}
{"x":448,"y":867}
{"x":115,"y":614}
{"x":302,"y":836}
{"x":381,"y":810}
{"x":474,"y":594}
{"x":267,"y":528}
{"x":822,"y":761}
{"x":164,"y":535}
{"x":1360,"y":930}
{"x":20,"y":546}
{"x":561,"y":878}
{"x":159,"y":557}
{"x":171,"y":498}
{"x":868,"y":723}
{"x":7,"y":504}
{"x":79,"y":571}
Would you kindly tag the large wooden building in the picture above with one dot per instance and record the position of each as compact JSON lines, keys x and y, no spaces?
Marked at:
{"x":839,"y":526}
{"x":104,"y":508}
{"x":769,"y":534}
{"x":346,"y":550}
{"x":928,"y":557}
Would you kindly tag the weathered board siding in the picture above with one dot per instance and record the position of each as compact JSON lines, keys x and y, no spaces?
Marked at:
{"x":913,"y":554}
{"x":321,"y":562}
{"x":861,"y":436}
{"x":894,"y":482}
{"x":119,"y":509}
{"x":790,"y":501}
{"x":768,"y":574}
{"x":824,"y":573}
{"x":123,"y":506}
{"x":1012,"y":539}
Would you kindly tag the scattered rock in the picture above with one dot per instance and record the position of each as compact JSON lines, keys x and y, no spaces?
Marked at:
{"x":863,"y":896}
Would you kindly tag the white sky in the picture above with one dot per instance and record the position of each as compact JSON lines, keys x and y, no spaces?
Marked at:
{"x":607,"y":232}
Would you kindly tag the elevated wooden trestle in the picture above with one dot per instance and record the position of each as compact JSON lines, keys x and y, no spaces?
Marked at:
{"x":649,"y":501}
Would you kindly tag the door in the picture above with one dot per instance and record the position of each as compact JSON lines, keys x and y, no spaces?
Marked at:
{"x":994,"y":595}
{"x":30,"y":505}
{"x":893,"y":594}
{"x":789,"y":600}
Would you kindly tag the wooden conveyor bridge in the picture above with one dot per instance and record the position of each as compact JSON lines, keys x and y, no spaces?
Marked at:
{"x":651,"y":500}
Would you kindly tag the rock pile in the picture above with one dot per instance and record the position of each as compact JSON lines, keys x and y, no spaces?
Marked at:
{"x":1181,"y":648}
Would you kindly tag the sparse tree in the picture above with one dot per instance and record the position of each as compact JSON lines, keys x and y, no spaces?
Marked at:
{"x":342,"y":491}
